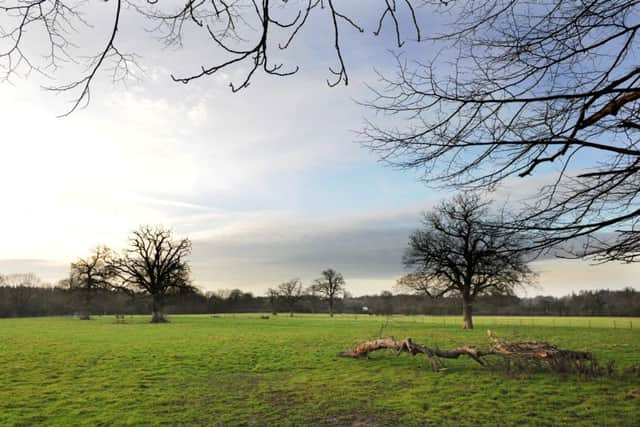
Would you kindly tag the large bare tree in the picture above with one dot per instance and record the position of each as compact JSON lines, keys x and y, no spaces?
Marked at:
{"x":544,"y":90}
{"x":88,"y":275}
{"x":330,"y":286}
{"x":155,"y":264}
{"x":462,"y":250}
{"x":247,"y":34}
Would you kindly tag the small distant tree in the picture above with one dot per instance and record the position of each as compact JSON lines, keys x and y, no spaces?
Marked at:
{"x":291,"y":293}
{"x":237,"y":300}
{"x":214,"y":302}
{"x":330,"y":286}
{"x":273,"y":295}
{"x":464,"y":251}
{"x":155,"y":264}
{"x":91,"y":274}
{"x":312,"y":294}
{"x":387,"y":303}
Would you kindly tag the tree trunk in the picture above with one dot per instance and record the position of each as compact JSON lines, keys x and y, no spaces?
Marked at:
{"x":467,"y":313}
{"x":157,"y":315}
{"x":330,"y":307}
{"x":408,"y":346}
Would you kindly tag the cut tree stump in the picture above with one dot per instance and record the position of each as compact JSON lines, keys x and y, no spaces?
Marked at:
{"x":525,"y":353}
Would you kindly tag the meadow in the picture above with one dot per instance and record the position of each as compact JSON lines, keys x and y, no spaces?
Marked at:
{"x":233,"y":370}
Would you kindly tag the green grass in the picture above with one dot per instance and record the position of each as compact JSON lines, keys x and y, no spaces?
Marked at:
{"x":241,"y":370}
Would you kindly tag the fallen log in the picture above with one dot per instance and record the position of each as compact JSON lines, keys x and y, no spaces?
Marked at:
{"x":532,"y":353}
{"x":408,"y":346}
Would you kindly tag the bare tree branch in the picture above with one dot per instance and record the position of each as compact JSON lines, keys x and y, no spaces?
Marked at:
{"x":244,"y":31}
{"x":531,"y":88}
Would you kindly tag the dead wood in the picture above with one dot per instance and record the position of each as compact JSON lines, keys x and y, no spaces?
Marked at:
{"x":524,"y":353}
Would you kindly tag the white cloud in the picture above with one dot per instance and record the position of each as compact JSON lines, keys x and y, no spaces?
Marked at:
{"x":158,"y":154}
{"x":561,"y":276}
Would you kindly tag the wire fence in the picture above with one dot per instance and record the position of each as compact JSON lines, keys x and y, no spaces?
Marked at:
{"x":493,"y":321}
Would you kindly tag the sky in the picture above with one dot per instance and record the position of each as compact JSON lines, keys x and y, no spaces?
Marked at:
{"x":269,"y":183}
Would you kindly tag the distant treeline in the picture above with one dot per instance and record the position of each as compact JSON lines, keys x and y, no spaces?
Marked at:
{"x":59,"y":301}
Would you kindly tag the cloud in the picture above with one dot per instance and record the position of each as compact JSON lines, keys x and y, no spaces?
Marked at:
{"x":257,"y":253}
{"x":561,"y":276}
{"x":50,"y":271}
{"x":135,"y":156}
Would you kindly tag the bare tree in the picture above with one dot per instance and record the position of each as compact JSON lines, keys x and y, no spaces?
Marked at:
{"x":155,"y":264}
{"x":88,"y":275}
{"x":291,"y":293}
{"x":247,"y":33}
{"x":521,"y":85}
{"x":459,"y":252}
{"x":330,"y":286}
{"x":273,"y":295}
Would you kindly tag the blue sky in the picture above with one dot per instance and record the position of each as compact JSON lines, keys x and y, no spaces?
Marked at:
{"x":268,"y":183}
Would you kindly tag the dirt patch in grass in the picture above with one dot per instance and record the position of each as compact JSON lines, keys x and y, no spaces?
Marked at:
{"x":351,"y":420}
{"x":634,"y":393}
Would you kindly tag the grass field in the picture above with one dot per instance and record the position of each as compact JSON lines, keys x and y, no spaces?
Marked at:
{"x":241,"y":370}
